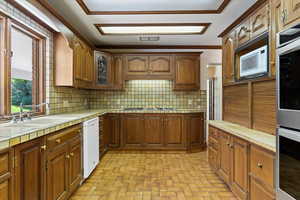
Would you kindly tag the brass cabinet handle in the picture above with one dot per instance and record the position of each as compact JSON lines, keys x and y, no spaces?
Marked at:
{"x":44,"y":147}
{"x":58,"y":141}
{"x":67,"y":156}
{"x":259,"y":165}
{"x":72,"y":154}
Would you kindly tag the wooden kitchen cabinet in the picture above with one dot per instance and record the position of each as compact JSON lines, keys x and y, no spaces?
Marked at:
{"x":74,"y":65}
{"x":117,"y":72}
{"x":133,"y":130}
{"x":161,"y":65}
{"x":228,"y":57}
{"x":259,"y":22}
{"x":243,"y":33}
{"x":30,"y":170}
{"x":195,"y":131}
{"x":257,"y":191}
{"x":290,"y":12}
{"x":240,"y":169}
{"x":6,"y":175}
{"x":213,"y":149}
{"x":112,"y":128}
{"x":187,"y":72}
{"x":64,"y":170}
{"x":58,"y":173}
{"x":174,"y":136}
{"x":136,"y":65}
{"x":225,"y":157}
{"x":75,"y":175}
{"x":149,"y":67}
{"x":154,"y":134}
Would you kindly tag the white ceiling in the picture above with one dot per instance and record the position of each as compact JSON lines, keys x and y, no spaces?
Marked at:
{"x":151,"y":5}
{"x":84,"y":23}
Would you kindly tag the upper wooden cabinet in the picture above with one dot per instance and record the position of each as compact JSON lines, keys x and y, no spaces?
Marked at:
{"x":228,"y":57}
{"x":290,"y":11}
{"x":148,"y":67}
{"x":74,"y":66}
{"x":117,"y":71}
{"x":187,"y":72}
{"x":103,"y":70}
{"x":243,"y":33}
{"x":253,"y":26}
{"x":259,"y":21}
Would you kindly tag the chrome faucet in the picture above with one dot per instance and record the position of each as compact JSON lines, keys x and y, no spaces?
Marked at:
{"x":28,"y":114}
{"x":21,"y":114}
{"x":35,"y":106}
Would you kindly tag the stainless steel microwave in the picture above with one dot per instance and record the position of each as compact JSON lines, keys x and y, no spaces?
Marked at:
{"x":288,"y":78}
{"x":254,"y":63}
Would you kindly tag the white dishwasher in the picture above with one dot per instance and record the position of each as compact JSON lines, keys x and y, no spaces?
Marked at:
{"x":90,"y":146}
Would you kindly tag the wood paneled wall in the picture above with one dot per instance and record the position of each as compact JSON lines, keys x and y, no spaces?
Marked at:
{"x":251,"y":104}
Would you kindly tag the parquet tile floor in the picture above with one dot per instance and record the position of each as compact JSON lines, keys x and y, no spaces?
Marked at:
{"x":153,"y":176}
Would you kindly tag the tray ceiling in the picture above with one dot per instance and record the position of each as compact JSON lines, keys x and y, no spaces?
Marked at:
{"x":99,"y":7}
{"x":85,"y":23}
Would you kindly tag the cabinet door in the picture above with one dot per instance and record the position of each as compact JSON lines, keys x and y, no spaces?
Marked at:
{"x":112,"y":130}
{"x":134,"y":129}
{"x":118,"y":72}
{"x":187,"y":72}
{"x":75,"y":174}
{"x":291,"y":11}
{"x":103,"y":71}
{"x":259,"y":22}
{"x":78,"y":51}
{"x":228,"y":58}
{"x":173,"y":132}
{"x":6,"y":175}
{"x":137,"y":65}
{"x":58,"y":173}
{"x":195,"y":131}
{"x":29,"y":170}
{"x":243,"y":33}
{"x":161,"y":65}
{"x":240,"y":169}
{"x":259,"y":192}
{"x":89,"y":66}
{"x":213,"y":158}
{"x":153,"y":131}
{"x":225,"y":157}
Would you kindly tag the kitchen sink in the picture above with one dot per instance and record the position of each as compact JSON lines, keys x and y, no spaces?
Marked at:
{"x":149,"y":109}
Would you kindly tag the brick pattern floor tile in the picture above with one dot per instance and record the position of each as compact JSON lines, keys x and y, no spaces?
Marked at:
{"x":153,"y":176}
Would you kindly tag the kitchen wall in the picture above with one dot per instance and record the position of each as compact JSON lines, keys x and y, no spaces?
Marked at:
{"x":148,"y":93}
{"x":60,"y":99}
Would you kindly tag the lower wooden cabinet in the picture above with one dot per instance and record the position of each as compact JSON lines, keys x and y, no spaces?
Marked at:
{"x":240,"y":169}
{"x":133,"y":130}
{"x":64,"y":168}
{"x":6,"y":175}
{"x":225,"y":157}
{"x":248,"y":170}
{"x":154,"y":133}
{"x":30,"y":170}
{"x":175,"y":137}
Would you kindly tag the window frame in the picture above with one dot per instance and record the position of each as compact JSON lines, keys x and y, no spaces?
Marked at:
{"x":39,"y":63}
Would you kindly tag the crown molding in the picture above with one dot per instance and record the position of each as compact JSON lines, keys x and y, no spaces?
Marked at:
{"x":158,"y":47}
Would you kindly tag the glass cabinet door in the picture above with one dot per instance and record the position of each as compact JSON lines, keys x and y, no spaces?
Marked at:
{"x":102,"y":63}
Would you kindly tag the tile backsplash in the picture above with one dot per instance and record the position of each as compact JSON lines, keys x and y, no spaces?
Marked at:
{"x":148,"y":93}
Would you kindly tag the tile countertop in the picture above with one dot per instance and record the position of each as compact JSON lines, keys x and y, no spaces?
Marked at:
{"x":259,"y":138}
{"x":13,"y":134}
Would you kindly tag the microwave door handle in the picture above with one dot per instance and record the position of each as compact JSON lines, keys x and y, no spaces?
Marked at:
{"x":294,"y":46}
{"x":294,"y":135}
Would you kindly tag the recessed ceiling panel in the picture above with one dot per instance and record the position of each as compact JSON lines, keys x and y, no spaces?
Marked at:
{"x":153,"y":29}
{"x":94,"y":7}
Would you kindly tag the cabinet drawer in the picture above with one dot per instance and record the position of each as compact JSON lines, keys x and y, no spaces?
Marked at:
{"x":4,"y":163}
{"x":262,"y":165}
{"x":63,"y":136}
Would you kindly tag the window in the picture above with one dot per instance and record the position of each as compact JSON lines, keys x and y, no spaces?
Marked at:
{"x":22,"y":68}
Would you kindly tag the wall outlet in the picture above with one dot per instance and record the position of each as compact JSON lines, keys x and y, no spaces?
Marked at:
{"x":190,"y":101}
{"x":66,"y":104}
{"x":118,"y":101}
{"x":85,"y":102}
